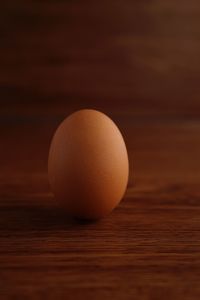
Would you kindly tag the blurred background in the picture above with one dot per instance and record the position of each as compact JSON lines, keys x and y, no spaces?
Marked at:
{"x":137,"y":61}
{"x":132,"y":57}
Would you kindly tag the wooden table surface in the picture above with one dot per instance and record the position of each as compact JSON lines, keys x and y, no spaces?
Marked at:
{"x":148,"y":248}
{"x":137,"y":61}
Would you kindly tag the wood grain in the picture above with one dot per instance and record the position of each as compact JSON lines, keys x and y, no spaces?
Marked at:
{"x":148,"y":248}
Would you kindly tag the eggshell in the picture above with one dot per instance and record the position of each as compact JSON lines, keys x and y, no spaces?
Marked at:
{"x":88,"y":164}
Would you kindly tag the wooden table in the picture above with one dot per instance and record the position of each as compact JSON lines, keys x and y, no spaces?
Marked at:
{"x":137,"y":61}
{"x":148,"y":248}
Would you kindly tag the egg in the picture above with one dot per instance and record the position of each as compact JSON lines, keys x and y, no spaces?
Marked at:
{"x":88,"y":165}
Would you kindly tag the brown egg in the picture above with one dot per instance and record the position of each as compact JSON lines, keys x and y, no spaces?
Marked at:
{"x":88,"y":164}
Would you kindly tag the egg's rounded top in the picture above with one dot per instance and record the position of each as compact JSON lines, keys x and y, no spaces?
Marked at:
{"x":88,"y":164}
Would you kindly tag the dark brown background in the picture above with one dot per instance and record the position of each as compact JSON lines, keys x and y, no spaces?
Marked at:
{"x":137,"y":56}
{"x":137,"y":61}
